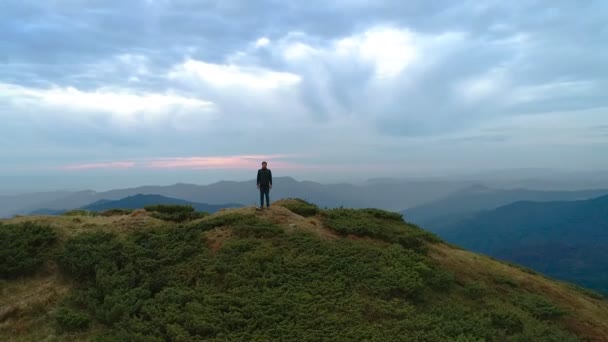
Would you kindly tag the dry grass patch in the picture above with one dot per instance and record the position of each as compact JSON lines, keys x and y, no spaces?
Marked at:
{"x":26,"y":305}
{"x":216,"y":237}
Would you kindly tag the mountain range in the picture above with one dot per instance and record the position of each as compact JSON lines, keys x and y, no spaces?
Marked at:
{"x":386,"y":194}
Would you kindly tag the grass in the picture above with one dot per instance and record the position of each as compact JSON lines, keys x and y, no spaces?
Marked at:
{"x":378,"y":224}
{"x":300,"y":207}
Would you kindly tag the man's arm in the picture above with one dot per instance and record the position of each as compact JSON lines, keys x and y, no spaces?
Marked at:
{"x":258,"y":182}
{"x":270,"y":177}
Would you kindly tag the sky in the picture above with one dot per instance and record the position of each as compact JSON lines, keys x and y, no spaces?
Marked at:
{"x":101,"y":94}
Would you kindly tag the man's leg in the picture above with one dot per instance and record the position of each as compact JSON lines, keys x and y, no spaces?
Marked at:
{"x":261,"y":198}
{"x":267,"y":193}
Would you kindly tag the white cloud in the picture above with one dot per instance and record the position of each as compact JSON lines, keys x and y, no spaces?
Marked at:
{"x":262,"y":42}
{"x":298,"y":51}
{"x":230,"y":75}
{"x":388,"y":50}
{"x":121,"y":104}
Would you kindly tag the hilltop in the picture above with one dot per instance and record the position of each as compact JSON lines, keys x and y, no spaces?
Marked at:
{"x":292,"y":272}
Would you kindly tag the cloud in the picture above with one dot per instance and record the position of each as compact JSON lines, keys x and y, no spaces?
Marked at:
{"x":122,"y":103}
{"x":359,"y":80}
{"x":106,"y":165}
{"x":225,"y":76}
{"x":262,"y":42}
{"x":388,"y":50}
{"x":241,"y":162}
{"x":222,"y":162}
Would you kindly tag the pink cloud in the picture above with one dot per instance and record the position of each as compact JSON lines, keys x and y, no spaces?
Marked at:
{"x":106,"y":165}
{"x":228,"y":162}
{"x":206,"y":162}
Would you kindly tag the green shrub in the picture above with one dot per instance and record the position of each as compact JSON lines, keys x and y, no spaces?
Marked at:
{"x":539,"y":307}
{"x":69,"y":320}
{"x":383,"y":214}
{"x":80,"y":212}
{"x":476,"y":290}
{"x":174,"y":212}
{"x":501,"y":279}
{"x":170,"y":208}
{"x":301,"y":207}
{"x":507,"y":321}
{"x":116,"y":212}
{"x":378,"y":224}
{"x":24,"y":248}
{"x":83,"y":254}
{"x":441,"y":280}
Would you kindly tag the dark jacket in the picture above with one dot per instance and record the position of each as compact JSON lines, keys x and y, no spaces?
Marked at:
{"x":264,"y":178}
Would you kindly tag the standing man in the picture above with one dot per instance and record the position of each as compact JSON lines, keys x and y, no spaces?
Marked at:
{"x":264,"y":184}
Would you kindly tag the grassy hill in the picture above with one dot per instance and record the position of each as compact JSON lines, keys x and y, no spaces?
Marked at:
{"x":292,"y":273}
{"x":566,"y":239}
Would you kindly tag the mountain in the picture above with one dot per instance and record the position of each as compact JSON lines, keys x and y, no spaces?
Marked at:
{"x":566,"y":240}
{"x":468,"y":202}
{"x":293,"y":272}
{"x":140,"y":201}
{"x":387,"y":194}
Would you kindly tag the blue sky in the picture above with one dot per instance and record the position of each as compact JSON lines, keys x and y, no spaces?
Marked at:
{"x":100,"y":94}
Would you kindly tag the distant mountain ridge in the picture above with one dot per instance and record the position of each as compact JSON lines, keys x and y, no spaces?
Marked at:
{"x":390,"y":195}
{"x":563,"y":239}
{"x":468,"y":202}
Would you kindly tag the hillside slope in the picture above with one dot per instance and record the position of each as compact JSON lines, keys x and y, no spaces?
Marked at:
{"x":566,"y":240}
{"x":292,"y":272}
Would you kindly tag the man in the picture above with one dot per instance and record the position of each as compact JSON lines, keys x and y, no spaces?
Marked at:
{"x":264,"y":184}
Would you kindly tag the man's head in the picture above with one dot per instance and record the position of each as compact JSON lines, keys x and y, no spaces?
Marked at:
{"x":264,"y":164}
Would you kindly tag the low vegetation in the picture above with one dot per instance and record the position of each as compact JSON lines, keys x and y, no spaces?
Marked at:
{"x":117,"y":212}
{"x":174,"y":212}
{"x":265,"y":282}
{"x":301,"y":207}
{"x":80,"y":212}
{"x":378,"y":224}
{"x":24,"y":248}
